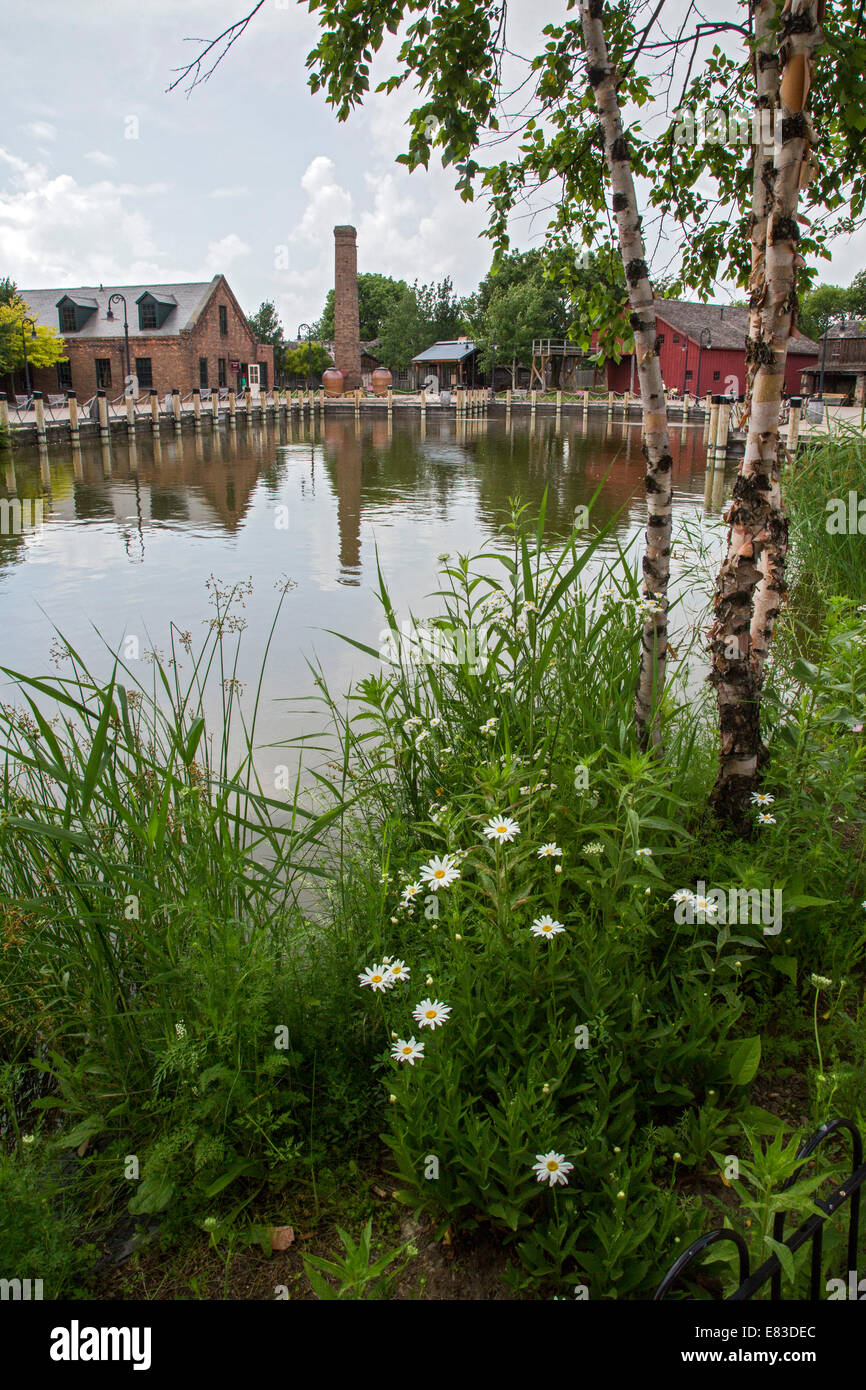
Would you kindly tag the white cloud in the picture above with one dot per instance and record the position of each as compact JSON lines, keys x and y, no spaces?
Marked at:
{"x":220,"y":254}
{"x":328,"y":204}
{"x":105,"y":161}
{"x":41,"y":130}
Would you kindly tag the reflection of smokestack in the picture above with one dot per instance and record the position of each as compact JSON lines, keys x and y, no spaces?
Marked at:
{"x":347,"y":331}
{"x":345,"y":449}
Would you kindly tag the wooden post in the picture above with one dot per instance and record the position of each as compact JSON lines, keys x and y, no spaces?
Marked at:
{"x":610,"y":405}
{"x":390,"y":400}
{"x":4,"y":413}
{"x":423,"y":402}
{"x":215,"y":405}
{"x":130,"y":417}
{"x":322,"y":399}
{"x":793,"y":425}
{"x":723,"y":424}
{"x":154,"y":410}
{"x":232,"y":409}
{"x":196,"y":406}
{"x":39,"y":406}
{"x":72,"y":405}
{"x":357,"y":400}
{"x":686,"y":403}
{"x":710,"y":429}
{"x":508,"y":399}
{"x":175,"y":408}
{"x":534,"y":398}
{"x":248,"y":403}
{"x":102,"y":408}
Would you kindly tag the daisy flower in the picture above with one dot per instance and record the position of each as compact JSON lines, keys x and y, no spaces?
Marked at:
{"x":434,"y":723}
{"x":410,"y":891}
{"x":413,"y":723}
{"x":647,"y":852}
{"x":440,"y":872}
{"x":546,"y":926}
{"x":762,"y":799}
{"x":552,"y":1168}
{"x":407,"y":1050}
{"x":764,"y":819}
{"x":398,"y":970}
{"x":489,"y":725}
{"x":377,"y":977}
{"x":550,"y":851}
{"x":501,"y":828}
{"x":682,"y":895}
{"x":430,"y":1013}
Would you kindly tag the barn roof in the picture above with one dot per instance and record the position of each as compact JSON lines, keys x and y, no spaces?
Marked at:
{"x":727,"y":323}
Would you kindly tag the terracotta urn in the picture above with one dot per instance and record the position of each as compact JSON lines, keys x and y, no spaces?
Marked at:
{"x":381,"y":381}
{"x":333,"y":380}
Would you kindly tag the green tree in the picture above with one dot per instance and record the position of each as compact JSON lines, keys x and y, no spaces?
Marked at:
{"x":377,"y":297}
{"x":296,"y":361}
{"x":43,"y":350}
{"x":266,"y":325}
{"x":821,"y":306}
{"x":423,"y":314}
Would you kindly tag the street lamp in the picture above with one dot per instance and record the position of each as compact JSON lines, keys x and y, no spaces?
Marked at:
{"x":701,"y":345}
{"x":493,"y":368}
{"x":32,"y":323}
{"x":305,"y":328}
{"x":110,"y":316}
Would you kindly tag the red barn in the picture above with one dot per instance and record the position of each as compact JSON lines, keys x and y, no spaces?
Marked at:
{"x":702,"y":349}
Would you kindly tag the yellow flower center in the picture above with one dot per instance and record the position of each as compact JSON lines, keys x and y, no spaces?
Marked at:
{"x":431,"y":1013}
{"x":547,"y":926}
{"x":552,"y":1165}
{"x":377,"y":979}
{"x":407,"y":1051}
{"x":439,"y":873}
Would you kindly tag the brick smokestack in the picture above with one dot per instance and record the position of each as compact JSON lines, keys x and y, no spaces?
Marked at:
{"x":347,"y":330}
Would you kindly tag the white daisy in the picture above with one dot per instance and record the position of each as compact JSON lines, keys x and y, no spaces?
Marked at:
{"x":702,"y":904}
{"x":647,"y":852}
{"x":546,"y":926}
{"x":410,"y":891}
{"x":413,"y":723}
{"x":434,"y":723}
{"x":398,"y":970}
{"x":501,"y":828}
{"x":406,"y":1050}
{"x":440,"y":872}
{"x":552,"y":1168}
{"x":377,"y":977}
{"x":764,"y":819}
{"x":489,"y":725}
{"x":430,"y":1012}
{"x":762,"y":798}
{"x":550,"y":851}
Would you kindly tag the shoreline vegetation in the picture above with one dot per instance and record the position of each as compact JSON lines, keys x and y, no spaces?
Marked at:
{"x":514,"y":1048}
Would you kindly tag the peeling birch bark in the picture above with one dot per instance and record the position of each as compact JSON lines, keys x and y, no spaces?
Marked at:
{"x":751,"y":581}
{"x":656,"y":448}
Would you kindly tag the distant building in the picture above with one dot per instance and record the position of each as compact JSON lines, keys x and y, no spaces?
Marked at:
{"x":844,"y":363}
{"x":179,"y":336}
{"x":455,"y":363}
{"x":702,"y":349}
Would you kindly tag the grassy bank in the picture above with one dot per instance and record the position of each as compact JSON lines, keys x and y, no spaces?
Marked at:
{"x":504,"y":979}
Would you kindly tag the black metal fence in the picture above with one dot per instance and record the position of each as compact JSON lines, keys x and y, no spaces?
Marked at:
{"x":812,"y":1229}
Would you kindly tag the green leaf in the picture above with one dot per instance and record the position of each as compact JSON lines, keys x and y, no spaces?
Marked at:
{"x":744,"y":1060}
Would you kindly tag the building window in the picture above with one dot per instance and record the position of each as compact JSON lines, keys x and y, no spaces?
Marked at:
{"x":103,"y":373}
{"x":716,"y":376}
{"x":144,"y":372}
{"x":676,"y":337}
{"x":660,"y":337}
{"x":147,"y":314}
{"x":689,"y":373}
{"x":224,"y":321}
{"x":221,"y":371}
{"x":67,"y":318}
{"x":64,"y":376}
{"x":202,"y":373}
{"x":263,"y":375}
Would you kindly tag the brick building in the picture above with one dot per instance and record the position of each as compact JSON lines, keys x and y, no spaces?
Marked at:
{"x":179,"y":336}
{"x":702,"y":349}
{"x":347,"y":333}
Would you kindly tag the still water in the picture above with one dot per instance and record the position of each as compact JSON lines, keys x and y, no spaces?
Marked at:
{"x":131,"y":535}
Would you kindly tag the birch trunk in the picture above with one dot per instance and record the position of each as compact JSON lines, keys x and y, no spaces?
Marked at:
{"x":751,"y":582}
{"x":656,"y":448}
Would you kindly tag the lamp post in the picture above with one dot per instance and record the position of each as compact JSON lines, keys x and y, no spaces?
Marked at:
{"x":110,"y":316}
{"x":493,"y":368}
{"x":32,"y":323}
{"x":701,"y":345}
{"x":305,"y":328}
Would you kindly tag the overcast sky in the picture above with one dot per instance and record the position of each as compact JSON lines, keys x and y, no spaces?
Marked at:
{"x":106,"y":178}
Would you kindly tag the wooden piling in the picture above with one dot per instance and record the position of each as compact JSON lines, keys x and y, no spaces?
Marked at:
{"x":712,"y":425}
{"x":793,"y":438}
{"x":232,"y":410}
{"x":4,"y":414}
{"x":39,"y":406}
{"x":390,"y":401}
{"x":196,"y":406}
{"x":215,"y":405}
{"x":72,"y":405}
{"x":175,"y":408}
{"x":130,"y":417}
{"x":154,"y":411}
{"x":102,"y":410}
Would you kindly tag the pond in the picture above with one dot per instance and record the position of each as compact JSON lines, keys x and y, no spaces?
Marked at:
{"x":131,"y":535}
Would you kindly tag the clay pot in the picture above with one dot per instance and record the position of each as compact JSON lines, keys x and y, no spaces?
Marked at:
{"x":333,"y":380}
{"x":381,"y":381}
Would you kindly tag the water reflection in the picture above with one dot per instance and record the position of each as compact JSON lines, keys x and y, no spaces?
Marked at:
{"x":133,"y":530}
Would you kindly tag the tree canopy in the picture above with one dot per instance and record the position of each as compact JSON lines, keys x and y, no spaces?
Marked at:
{"x":378,"y":295}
